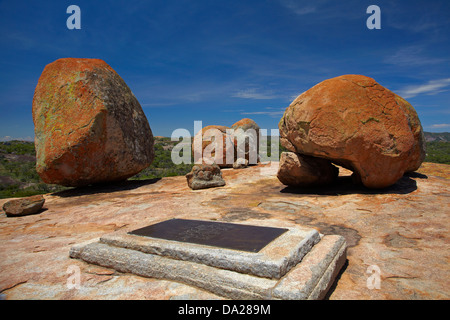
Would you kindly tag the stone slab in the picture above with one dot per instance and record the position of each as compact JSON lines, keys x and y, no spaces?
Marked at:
{"x":225,"y":283}
{"x":273,"y":261}
{"x":310,"y":279}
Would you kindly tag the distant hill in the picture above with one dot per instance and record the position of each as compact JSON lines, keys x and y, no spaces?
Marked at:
{"x":438,"y":147}
{"x":437,"y":136}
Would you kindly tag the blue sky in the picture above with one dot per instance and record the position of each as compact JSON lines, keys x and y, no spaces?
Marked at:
{"x":221,"y":61}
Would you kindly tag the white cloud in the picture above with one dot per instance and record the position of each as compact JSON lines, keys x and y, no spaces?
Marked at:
{"x":296,"y":8}
{"x":412,"y":56}
{"x":157,"y":104}
{"x":272,"y":112}
{"x":439,"y":126}
{"x":319,"y":10}
{"x":253,"y":94}
{"x":431,"y":87}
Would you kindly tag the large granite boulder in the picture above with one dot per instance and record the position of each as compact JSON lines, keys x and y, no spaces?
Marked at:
{"x":355,"y":122}
{"x":89,"y":127}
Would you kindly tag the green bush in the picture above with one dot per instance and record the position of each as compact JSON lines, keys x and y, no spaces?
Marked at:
{"x":162,"y":165}
{"x":18,"y":147}
{"x":438,"y":152}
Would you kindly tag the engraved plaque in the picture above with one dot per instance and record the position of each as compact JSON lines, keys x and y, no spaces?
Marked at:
{"x":210,"y":233}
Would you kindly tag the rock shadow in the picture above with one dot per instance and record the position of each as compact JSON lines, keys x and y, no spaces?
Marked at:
{"x":28,"y":214}
{"x":344,"y":185}
{"x":109,"y":187}
{"x":416,"y":175}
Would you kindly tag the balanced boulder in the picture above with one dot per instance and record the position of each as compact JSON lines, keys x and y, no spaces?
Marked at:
{"x":89,"y":126}
{"x":246,"y":139}
{"x":355,"y":122}
{"x":214,"y":144}
{"x":224,"y":145}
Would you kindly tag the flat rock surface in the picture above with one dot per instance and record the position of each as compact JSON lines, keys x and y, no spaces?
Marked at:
{"x":402,"y":230}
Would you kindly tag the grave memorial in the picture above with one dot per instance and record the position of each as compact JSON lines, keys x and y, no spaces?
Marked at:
{"x":236,"y":261}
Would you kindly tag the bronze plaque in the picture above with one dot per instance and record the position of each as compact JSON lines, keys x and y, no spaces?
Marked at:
{"x":210,"y":233}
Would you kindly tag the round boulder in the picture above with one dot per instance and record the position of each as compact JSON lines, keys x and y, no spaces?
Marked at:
{"x":355,"y":122}
{"x":89,"y":126}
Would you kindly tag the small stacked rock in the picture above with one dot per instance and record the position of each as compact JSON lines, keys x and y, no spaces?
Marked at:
{"x":204,"y":176}
{"x":305,"y":171}
{"x":89,"y":126}
{"x":215,"y":144}
{"x":246,"y":140}
{"x":240,"y":163}
{"x":356,"y":123}
{"x":23,"y":206}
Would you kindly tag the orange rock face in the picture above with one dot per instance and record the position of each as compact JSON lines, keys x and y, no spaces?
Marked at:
{"x":89,"y":127}
{"x":355,"y":122}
